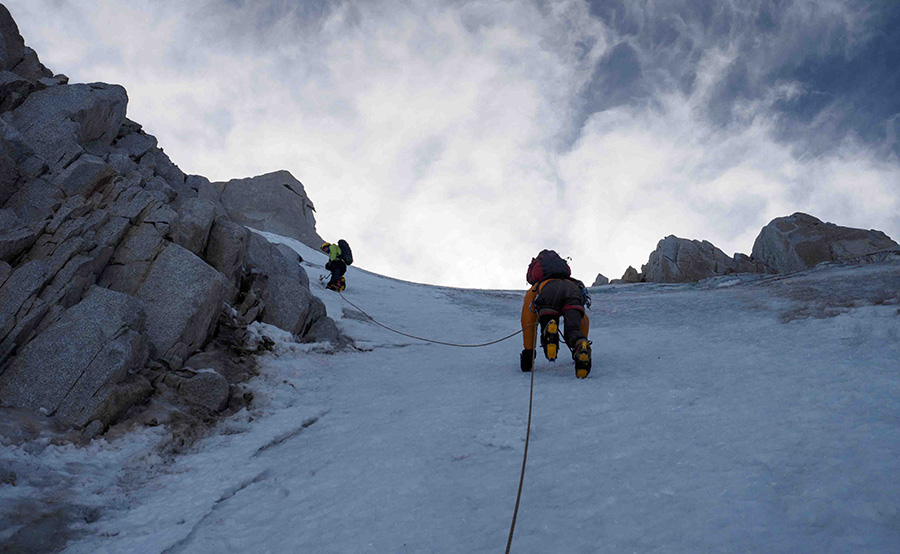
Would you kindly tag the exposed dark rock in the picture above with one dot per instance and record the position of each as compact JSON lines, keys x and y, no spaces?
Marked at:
{"x":226,"y":249}
{"x":631,"y":275}
{"x":289,"y":304}
{"x":182,"y":296}
{"x":72,"y":368}
{"x":678,"y":260}
{"x":12,"y":46}
{"x":600,"y":280}
{"x":13,"y":90}
{"x":274,"y":202}
{"x":195,"y":218}
{"x":801,"y":241}
{"x":204,"y":388}
{"x":57,"y":121}
{"x":31,"y":68}
{"x":103,"y":293}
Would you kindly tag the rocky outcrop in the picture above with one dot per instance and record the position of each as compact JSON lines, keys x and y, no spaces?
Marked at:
{"x":631,"y":275}
{"x":58,"y":121}
{"x":600,"y":280}
{"x":785,"y":245}
{"x":73,"y":368}
{"x":275,"y":202}
{"x":801,"y":241}
{"x":678,"y":260}
{"x":182,"y":296}
{"x":115,"y":267}
{"x":288,"y":302}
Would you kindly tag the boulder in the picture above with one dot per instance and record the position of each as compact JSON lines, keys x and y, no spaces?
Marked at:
{"x":18,"y":163}
{"x":289,"y":303}
{"x":745,"y":264}
{"x":326,"y":330}
{"x":17,"y":294}
{"x":84,"y":176}
{"x":72,"y":369}
{"x":291,"y":256}
{"x":195,"y":218}
{"x":206,"y":389}
{"x":12,"y":45}
{"x":201,"y":186}
{"x":15,"y":237}
{"x":600,"y":281}
{"x":13,"y":90}
{"x":631,"y":276}
{"x":226,"y":249}
{"x":161,"y":189}
{"x":133,"y":258}
{"x":56,"y":121}
{"x":801,"y":241}
{"x":31,"y":68}
{"x":274,"y":202}
{"x":182,"y":296}
{"x":135,"y":144}
{"x":156,"y":161}
{"x":53,"y":81}
{"x":678,"y":260}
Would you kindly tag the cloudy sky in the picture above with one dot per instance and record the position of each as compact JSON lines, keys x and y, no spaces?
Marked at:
{"x":449,"y":141}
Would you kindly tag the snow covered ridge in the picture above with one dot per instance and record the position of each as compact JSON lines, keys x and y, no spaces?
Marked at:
{"x":122,"y":278}
{"x":786,"y":245}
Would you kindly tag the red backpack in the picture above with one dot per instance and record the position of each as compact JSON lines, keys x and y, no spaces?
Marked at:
{"x":547,"y":265}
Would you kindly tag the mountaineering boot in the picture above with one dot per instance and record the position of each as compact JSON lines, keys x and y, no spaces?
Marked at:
{"x":526,"y":359}
{"x":582,"y":356}
{"x":550,"y":340}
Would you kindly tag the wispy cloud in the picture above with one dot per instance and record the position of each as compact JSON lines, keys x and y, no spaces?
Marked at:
{"x":450,"y":142}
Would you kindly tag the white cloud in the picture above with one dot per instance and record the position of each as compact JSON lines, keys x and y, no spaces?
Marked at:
{"x":428,"y":136}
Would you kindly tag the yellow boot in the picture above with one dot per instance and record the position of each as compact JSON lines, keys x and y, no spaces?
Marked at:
{"x":550,"y":340}
{"x":582,"y":355}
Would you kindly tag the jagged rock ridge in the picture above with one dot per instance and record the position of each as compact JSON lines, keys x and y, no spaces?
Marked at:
{"x":786,"y":245}
{"x":119,"y":274}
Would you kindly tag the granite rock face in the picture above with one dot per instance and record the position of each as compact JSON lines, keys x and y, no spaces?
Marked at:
{"x":631,"y":275}
{"x":182,"y":296}
{"x":801,"y":241}
{"x":600,"y":280}
{"x":274,"y":202}
{"x":115,"y":266}
{"x":678,"y":260}
{"x":289,"y":304}
{"x":73,"y":368}
{"x":786,"y":245}
{"x":59,"y":120}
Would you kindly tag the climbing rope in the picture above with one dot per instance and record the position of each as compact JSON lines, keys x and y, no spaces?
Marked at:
{"x":376,"y":322}
{"x":512,"y":526}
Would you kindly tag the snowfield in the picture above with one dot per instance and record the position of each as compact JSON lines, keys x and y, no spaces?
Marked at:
{"x":741,"y":414}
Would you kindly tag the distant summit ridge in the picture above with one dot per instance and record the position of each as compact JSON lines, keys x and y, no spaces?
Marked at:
{"x":786,"y":245}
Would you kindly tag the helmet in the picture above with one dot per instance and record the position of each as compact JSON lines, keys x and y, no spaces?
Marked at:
{"x":324,"y":246}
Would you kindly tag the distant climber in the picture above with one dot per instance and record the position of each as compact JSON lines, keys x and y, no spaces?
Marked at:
{"x":339,"y":257}
{"x":554,"y":294}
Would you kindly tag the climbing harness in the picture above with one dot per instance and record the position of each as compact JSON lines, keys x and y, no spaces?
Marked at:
{"x":376,"y":322}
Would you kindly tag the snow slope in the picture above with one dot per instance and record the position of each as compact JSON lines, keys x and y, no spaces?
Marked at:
{"x":744,"y":414}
